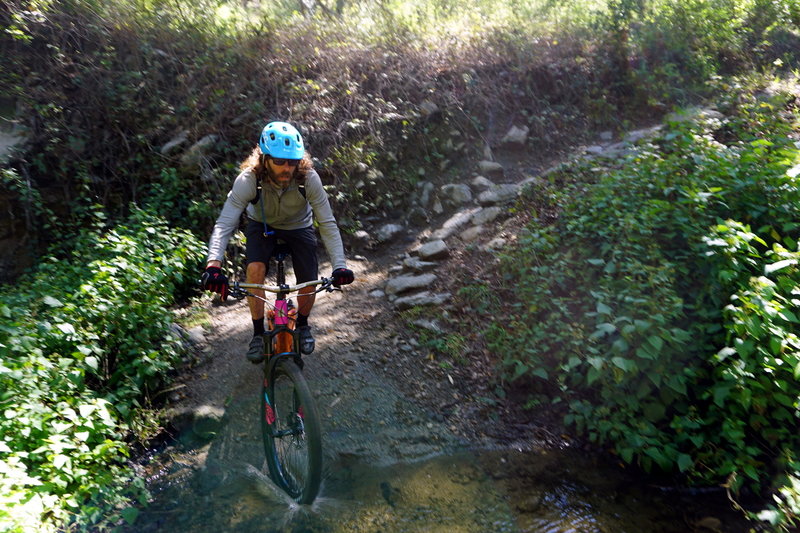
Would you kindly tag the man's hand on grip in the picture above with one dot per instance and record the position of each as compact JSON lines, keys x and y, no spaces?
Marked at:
{"x":342,"y":276}
{"x":215,"y":281}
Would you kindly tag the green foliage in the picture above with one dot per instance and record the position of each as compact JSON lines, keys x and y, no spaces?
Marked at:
{"x":651,"y":306}
{"x":84,"y":341}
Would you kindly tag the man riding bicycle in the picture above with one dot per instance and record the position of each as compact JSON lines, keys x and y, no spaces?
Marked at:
{"x":280,"y":192}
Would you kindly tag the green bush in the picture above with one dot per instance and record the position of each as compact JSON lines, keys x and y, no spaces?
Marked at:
{"x":660,"y":304}
{"x":84,"y":341}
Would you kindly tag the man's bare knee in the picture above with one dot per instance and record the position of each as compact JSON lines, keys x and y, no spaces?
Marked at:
{"x":256,"y":272}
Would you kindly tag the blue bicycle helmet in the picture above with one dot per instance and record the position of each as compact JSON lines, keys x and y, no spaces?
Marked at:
{"x":281,"y":140}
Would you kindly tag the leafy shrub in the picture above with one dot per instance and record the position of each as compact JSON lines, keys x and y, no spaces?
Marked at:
{"x":83,"y":342}
{"x":660,"y":304}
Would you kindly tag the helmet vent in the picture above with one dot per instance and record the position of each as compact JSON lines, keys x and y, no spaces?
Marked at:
{"x":271,"y":136}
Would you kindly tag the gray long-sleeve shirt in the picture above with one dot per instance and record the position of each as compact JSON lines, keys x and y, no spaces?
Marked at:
{"x":283,"y":209}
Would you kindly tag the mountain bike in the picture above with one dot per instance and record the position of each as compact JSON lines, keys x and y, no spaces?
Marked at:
{"x":290,"y":423}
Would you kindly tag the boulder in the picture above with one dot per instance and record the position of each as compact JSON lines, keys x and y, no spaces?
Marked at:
{"x":428,"y":108}
{"x":452,"y":224}
{"x":197,"y":335}
{"x":594,"y":150}
{"x":472,"y":234}
{"x":9,"y":139}
{"x":696,"y":114}
{"x":361,"y":239}
{"x":199,"y":151}
{"x":499,"y":194}
{"x":207,"y":420}
{"x":516,"y":137}
{"x":407,"y":283}
{"x":430,"y":325}
{"x":495,"y":244}
{"x":437,"y":206}
{"x":486,"y":215}
{"x":198,"y":423}
{"x":387,"y":232}
{"x":426,"y":298}
{"x":481,"y":183}
{"x":456,"y":193}
{"x":418,"y":265}
{"x":433,"y":250}
{"x":418,"y":216}
{"x":637,"y":135}
{"x":491,"y":169}
{"x":426,"y":193}
{"x":174,"y":143}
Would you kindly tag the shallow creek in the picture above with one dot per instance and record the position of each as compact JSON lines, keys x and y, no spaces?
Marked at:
{"x":390,"y":462}
{"x":222,"y":486}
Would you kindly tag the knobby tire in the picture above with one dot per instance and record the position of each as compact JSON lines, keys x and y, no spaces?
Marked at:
{"x":293,"y":442}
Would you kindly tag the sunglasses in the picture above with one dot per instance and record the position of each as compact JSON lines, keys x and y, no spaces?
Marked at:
{"x":280,"y":162}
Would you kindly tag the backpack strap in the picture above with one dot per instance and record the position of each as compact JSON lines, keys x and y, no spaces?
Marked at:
{"x":257,"y":197}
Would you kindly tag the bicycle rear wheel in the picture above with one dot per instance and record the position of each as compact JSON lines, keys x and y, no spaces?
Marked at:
{"x":292,"y":435}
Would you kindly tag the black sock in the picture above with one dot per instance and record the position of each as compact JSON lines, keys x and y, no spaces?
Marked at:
{"x":258,"y":326}
{"x":302,"y":320}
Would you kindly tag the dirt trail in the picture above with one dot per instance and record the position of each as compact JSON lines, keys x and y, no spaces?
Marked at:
{"x":362,"y":382}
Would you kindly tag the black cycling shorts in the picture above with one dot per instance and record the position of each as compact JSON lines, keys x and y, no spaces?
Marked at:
{"x":302,"y":244}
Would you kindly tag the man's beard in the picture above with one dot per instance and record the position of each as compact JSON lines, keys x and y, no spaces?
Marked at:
{"x":273,"y":177}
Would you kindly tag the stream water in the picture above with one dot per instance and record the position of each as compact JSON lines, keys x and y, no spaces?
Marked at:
{"x":391,"y":465}
{"x":222,"y":486}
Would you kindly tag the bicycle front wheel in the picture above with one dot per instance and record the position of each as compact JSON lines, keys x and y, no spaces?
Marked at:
{"x":292,"y":435}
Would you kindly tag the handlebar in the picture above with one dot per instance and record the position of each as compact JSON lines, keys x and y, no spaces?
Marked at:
{"x":238,"y":290}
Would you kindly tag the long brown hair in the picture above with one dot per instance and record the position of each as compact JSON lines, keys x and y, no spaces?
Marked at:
{"x":258,"y":165}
